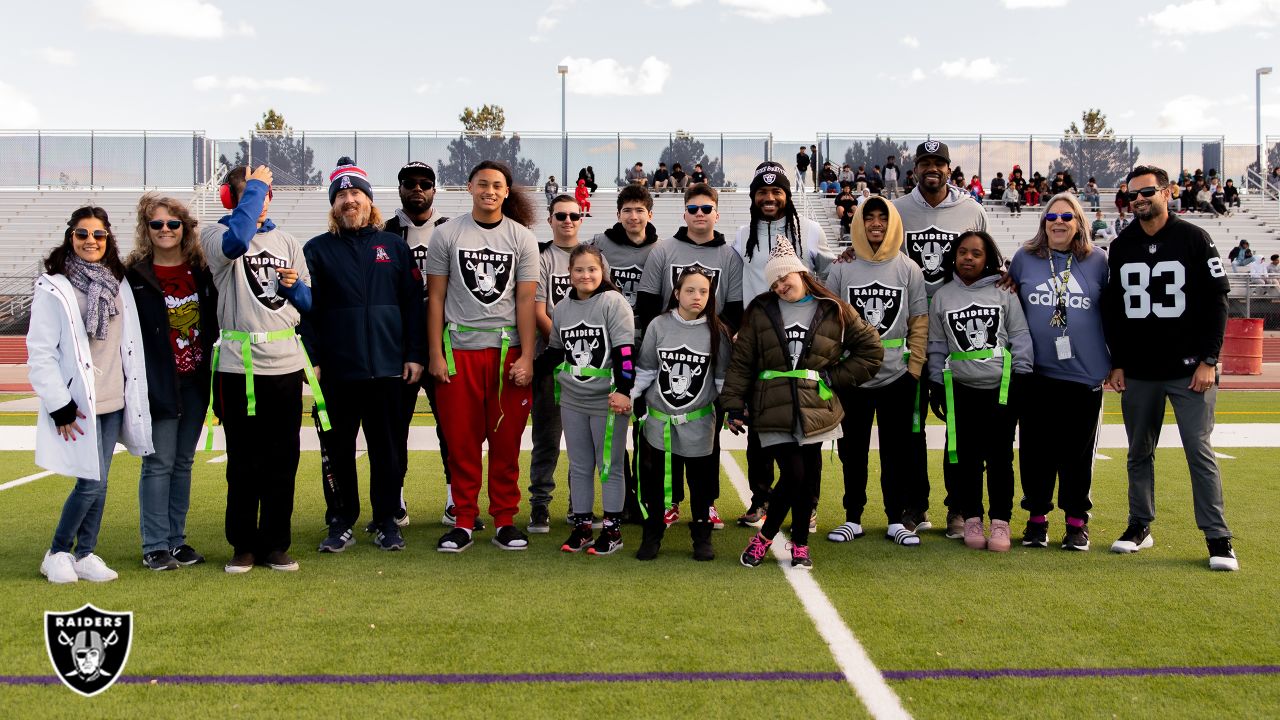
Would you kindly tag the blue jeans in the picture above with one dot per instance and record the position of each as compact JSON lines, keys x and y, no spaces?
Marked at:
{"x":82,"y":512}
{"x":164,"y":491}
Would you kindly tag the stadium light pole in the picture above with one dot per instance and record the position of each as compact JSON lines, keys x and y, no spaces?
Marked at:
{"x":564,"y":136}
{"x":1257,"y":81}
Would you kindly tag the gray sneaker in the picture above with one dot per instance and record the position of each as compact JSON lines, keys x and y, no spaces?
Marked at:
{"x":159,"y":560}
{"x":539,"y":520}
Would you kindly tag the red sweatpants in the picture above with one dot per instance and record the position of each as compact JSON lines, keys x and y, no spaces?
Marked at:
{"x":471,"y":397}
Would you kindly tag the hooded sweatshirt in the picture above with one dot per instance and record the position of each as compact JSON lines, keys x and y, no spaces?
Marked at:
{"x":929,"y":233}
{"x":887,"y":290}
{"x":671,"y":256}
{"x":964,"y":318}
{"x":626,"y":259}
{"x":811,"y":250}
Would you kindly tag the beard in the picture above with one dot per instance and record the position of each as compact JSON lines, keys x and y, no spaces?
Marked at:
{"x":351,"y":221}
{"x":415,"y":205}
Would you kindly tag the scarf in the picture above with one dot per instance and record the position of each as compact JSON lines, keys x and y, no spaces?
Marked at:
{"x":100,"y":288}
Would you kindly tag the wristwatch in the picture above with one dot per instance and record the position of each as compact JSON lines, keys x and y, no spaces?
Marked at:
{"x":1211,"y":361}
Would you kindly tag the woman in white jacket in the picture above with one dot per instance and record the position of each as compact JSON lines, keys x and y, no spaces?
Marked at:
{"x":85,"y":363}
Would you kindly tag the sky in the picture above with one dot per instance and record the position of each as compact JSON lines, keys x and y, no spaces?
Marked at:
{"x":790,"y":67}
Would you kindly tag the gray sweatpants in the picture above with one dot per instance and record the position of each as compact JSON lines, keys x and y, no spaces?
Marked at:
{"x":1143,"y":403}
{"x":546,"y":442}
{"x":584,"y":440}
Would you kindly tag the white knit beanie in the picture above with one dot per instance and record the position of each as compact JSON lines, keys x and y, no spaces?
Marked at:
{"x":782,"y":261}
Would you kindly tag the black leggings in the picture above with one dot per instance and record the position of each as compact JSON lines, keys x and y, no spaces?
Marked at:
{"x":796,"y":491}
{"x":702,"y":473}
{"x":984,"y":437}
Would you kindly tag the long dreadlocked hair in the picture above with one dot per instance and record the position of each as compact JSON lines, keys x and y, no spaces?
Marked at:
{"x":793,"y":227}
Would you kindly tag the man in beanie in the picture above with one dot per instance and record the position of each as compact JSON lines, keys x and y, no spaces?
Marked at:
{"x":416,"y":222}
{"x":366,"y":333}
{"x":773,"y":215}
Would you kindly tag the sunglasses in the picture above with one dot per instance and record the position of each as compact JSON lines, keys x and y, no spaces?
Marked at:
{"x":562,"y":216}
{"x":1145,"y":192}
{"x":1064,"y":217}
{"x":706,"y":209}
{"x":158,"y":224}
{"x":83,"y":234}
{"x":417,"y":184}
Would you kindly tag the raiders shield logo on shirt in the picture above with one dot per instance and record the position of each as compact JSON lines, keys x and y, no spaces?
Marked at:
{"x":976,"y":327}
{"x":877,"y":303}
{"x":676,"y":271}
{"x":585,"y":345}
{"x":559,"y":289}
{"x":88,"y":647}
{"x":933,"y":249}
{"x":486,"y":273}
{"x":681,"y":375}
{"x":419,"y":253}
{"x":628,"y":281}
{"x":263,"y":280}
{"x":795,"y":335}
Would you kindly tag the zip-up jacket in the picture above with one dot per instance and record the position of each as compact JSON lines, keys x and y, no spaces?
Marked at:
{"x":153,"y":318}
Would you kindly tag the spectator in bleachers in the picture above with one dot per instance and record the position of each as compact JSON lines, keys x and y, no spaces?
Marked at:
{"x":802,"y":167}
{"x":875,"y":180}
{"x":1121,"y":222}
{"x":679,"y":180}
{"x":1100,"y":229}
{"x":997,"y":186}
{"x":890,"y":175}
{"x":1175,"y":198}
{"x":864,"y":196}
{"x":698,"y":176}
{"x":1243,"y":260}
{"x":860,"y":178}
{"x":1237,"y":250}
{"x":1012,"y":199}
{"x":1274,"y":179}
{"x":1231,"y":194}
{"x":975,"y":189}
{"x":1091,"y":195}
{"x":661,"y":178}
{"x":958,"y":178}
{"x":551,"y":189}
{"x":583,"y":195}
{"x":588,"y":175}
{"x":1216,"y":197}
{"x":846,"y":175}
{"x":1031,"y":196}
{"x":1122,"y":199}
{"x":1016,"y":177}
{"x":829,"y":182}
{"x":637,"y":176}
{"x":1203,"y":198}
{"x":909,"y":181}
{"x":816,"y":162}
{"x":846,"y":204}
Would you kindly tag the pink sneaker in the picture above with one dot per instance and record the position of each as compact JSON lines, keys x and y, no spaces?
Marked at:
{"x":671,"y":515}
{"x":756,"y":550}
{"x":973,"y":533}
{"x":999,"y":536}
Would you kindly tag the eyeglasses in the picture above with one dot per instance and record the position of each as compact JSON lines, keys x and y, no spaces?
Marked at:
{"x":562,"y":216}
{"x":411,"y":184}
{"x":1064,"y":217}
{"x":158,"y":224}
{"x":1145,"y":192}
{"x":83,"y":234}
{"x":706,"y":209}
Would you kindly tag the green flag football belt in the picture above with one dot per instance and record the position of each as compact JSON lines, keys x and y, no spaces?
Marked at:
{"x":824,"y":392}
{"x":607,"y":461}
{"x":667,"y":421}
{"x":1007,"y":360}
{"x":505,"y":330}
{"x":247,"y":340}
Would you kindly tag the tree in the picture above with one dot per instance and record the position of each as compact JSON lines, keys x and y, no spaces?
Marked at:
{"x":876,"y":152}
{"x":1272,"y":160}
{"x":689,"y":151}
{"x":273,"y":145}
{"x":1094,"y":152}
{"x":483,"y":139}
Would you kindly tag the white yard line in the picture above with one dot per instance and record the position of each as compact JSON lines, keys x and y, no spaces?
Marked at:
{"x":25,"y":480}
{"x":220,"y":459}
{"x":880,"y":699}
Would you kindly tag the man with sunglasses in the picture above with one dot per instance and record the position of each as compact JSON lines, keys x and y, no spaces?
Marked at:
{"x":416,"y":221}
{"x":1164,"y":314}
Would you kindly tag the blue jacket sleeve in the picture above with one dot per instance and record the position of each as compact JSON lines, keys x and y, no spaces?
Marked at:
{"x":299,"y":295}
{"x":243,"y":223}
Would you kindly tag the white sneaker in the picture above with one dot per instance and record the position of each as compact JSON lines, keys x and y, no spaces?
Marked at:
{"x":92,"y":568}
{"x":59,"y":567}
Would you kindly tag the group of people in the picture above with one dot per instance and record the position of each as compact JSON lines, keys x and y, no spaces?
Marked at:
{"x":766,"y":332}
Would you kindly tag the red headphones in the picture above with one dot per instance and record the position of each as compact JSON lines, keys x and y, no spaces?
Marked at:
{"x":224,"y":194}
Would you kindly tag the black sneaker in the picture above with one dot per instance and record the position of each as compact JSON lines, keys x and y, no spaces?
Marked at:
{"x":159,"y":560}
{"x":596,"y":521}
{"x":509,"y":538}
{"x":454,"y":541}
{"x":340,"y":538}
{"x":539,"y":520}
{"x":1221,"y":556}
{"x":609,"y":540}
{"x":1036,"y":534}
{"x":389,"y":538}
{"x":1135,"y":538}
{"x":580,"y":538}
{"x":186,"y":555}
{"x":1077,"y":538}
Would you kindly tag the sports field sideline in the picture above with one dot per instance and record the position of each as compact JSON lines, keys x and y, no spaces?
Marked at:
{"x":875,"y":631}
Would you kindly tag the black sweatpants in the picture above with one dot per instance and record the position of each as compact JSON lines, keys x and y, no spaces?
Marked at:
{"x":410,"y":404}
{"x":799,"y":476}
{"x":375,"y":405}
{"x":702,"y":474}
{"x":984,"y":436}
{"x":892,"y":407}
{"x":262,"y":458}
{"x":1058,"y":434}
{"x":917,"y":499}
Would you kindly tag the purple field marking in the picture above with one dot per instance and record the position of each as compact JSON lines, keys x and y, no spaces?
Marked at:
{"x":641,"y":677}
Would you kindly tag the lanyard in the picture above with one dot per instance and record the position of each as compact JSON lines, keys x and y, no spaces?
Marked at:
{"x":1059,"y":286}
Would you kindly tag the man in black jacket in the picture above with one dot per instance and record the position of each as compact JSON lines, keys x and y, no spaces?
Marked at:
{"x":366,"y":334}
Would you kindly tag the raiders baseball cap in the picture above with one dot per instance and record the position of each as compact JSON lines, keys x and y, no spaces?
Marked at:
{"x":416,"y":168}
{"x":933,"y":148}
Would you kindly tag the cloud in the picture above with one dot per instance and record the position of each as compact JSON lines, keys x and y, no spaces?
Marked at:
{"x":549,"y":19}
{"x":1200,"y":17}
{"x":980,"y":69}
{"x":1189,"y":114}
{"x":917,"y":75}
{"x":57,"y":56}
{"x":237,"y":99}
{"x":911,"y":41}
{"x":16,"y":111}
{"x":683,"y":3}
{"x":609,"y":77}
{"x":170,"y":18}
{"x":424,"y":88}
{"x":206,"y":83}
{"x":770,"y":10}
{"x":1023,"y":4}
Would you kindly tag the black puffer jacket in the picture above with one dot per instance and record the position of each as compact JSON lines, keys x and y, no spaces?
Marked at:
{"x":153,"y":318}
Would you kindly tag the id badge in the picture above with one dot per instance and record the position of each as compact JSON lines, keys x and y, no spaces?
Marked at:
{"x":1062,"y":344}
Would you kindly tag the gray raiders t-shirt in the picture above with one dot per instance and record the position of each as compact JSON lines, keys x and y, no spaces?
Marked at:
{"x":680,"y":353}
{"x":671,"y":256}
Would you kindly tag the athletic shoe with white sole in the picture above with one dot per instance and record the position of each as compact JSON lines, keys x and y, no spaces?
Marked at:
{"x":1077,"y":538}
{"x":579,"y":539}
{"x":1036,"y":534}
{"x":753,"y":517}
{"x":999,"y":541}
{"x":340,"y":538}
{"x":509,"y":538}
{"x":186,"y":555}
{"x":59,"y":567}
{"x":1135,"y":538}
{"x":714,"y":516}
{"x":389,"y":538}
{"x":757,"y":548}
{"x":402,"y":517}
{"x":974,"y":533}
{"x":282,"y":561}
{"x":955,"y":525}
{"x":239,"y":564}
{"x":539,"y":520}
{"x":609,"y":540}
{"x":800,"y":557}
{"x":92,"y":568}
{"x":159,"y":560}
{"x":844,"y":532}
{"x":448,"y":520}
{"x":1221,"y":555}
{"x":454,"y":541}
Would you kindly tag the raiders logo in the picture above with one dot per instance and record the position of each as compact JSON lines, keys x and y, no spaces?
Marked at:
{"x":931,"y":146}
{"x":560,"y":287}
{"x":682,"y":373}
{"x":878,"y":304}
{"x":769,"y":178}
{"x":486,"y":273}
{"x":263,"y":280}
{"x":676,"y":270}
{"x":795,"y":336}
{"x":976,"y":327}
{"x":585,"y":346}
{"x":88,"y":647}
{"x":933,"y":250}
{"x":419,"y":253}
{"x":628,"y":281}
